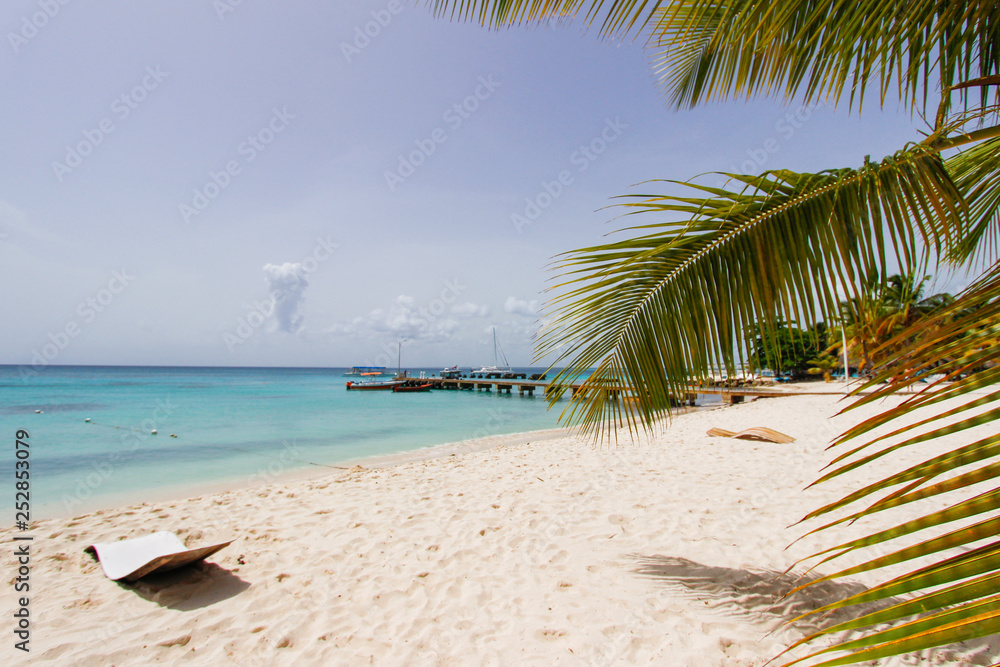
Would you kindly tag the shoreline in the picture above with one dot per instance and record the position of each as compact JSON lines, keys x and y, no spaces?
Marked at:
{"x":291,"y":469}
{"x":668,"y":550}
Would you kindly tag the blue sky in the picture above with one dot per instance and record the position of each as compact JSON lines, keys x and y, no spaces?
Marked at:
{"x":199,"y":183}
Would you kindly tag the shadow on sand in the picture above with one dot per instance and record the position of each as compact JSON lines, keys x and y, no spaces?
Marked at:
{"x":760,"y":596}
{"x":189,"y":587}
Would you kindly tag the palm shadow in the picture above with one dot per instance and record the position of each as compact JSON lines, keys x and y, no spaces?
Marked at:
{"x":763,"y":597}
{"x":759,"y":594}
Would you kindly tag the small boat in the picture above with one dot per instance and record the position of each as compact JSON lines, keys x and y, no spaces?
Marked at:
{"x":366,"y":371}
{"x":377,"y":385}
{"x":374,"y":386}
{"x":412,"y":388}
{"x":450,"y":373}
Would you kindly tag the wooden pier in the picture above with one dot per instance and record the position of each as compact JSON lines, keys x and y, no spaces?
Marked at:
{"x":731,"y":395}
{"x":500,"y":385}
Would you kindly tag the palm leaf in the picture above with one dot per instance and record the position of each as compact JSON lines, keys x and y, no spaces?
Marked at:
{"x":974,"y":570}
{"x":619,"y":17}
{"x":813,"y":49}
{"x":669,"y":306}
{"x":965,"y":567}
{"x":946,"y":336}
{"x":969,"y":621}
{"x":977,"y":174}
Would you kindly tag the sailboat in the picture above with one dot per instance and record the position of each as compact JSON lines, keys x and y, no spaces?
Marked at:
{"x":382,"y":385}
{"x":494,"y":369}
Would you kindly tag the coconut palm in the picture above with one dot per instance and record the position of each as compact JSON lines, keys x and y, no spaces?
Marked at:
{"x":680,"y":293}
{"x":863,"y":319}
{"x":882,"y":312}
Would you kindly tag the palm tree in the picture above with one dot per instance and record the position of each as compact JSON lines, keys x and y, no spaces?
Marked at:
{"x":862,"y":318}
{"x":782,"y":245}
{"x":884,"y":310}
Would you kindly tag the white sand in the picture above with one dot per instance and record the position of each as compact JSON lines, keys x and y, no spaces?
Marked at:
{"x":552,"y":552}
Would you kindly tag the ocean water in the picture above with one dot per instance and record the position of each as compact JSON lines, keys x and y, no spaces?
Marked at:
{"x":231,"y":424}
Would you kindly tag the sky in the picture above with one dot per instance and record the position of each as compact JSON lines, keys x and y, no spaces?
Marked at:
{"x":245,"y":183}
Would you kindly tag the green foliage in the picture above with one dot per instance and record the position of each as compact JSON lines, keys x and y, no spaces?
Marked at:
{"x":823,"y":365}
{"x":705,"y":268}
{"x":788,"y":349}
{"x":883,"y":310}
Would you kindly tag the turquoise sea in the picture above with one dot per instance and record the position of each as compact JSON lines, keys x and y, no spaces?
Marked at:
{"x":232,"y":424}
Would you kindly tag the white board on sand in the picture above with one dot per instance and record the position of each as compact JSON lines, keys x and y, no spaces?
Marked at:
{"x":159,"y":552}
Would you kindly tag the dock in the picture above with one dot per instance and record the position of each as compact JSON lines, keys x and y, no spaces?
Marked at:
{"x":731,"y":395}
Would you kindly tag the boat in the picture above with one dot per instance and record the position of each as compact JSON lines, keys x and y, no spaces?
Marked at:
{"x":412,"y":388}
{"x":494,"y":369}
{"x":374,"y":385}
{"x":450,"y":373}
{"x":366,"y":371}
{"x":380,"y":385}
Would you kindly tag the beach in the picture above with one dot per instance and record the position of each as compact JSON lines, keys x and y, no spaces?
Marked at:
{"x":667,"y":551}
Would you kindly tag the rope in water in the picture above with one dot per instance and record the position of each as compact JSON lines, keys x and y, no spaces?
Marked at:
{"x":237,"y":449}
{"x":125,"y":428}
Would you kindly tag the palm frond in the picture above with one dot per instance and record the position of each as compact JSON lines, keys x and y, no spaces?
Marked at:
{"x":965,"y":608}
{"x":816,"y":49}
{"x":616,"y":18}
{"x":968,"y":621}
{"x":707,"y":49}
{"x":976,"y":171}
{"x":667,"y":308}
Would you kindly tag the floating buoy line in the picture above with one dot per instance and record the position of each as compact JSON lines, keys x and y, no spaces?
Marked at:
{"x":123,"y":428}
{"x":88,"y":420}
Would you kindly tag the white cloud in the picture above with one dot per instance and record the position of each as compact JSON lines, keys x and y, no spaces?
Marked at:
{"x":287,"y":285}
{"x":17,"y":229}
{"x":517,"y":306}
{"x":516,"y":329}
{"x":469,"y":310}
{"x":403,"y":319}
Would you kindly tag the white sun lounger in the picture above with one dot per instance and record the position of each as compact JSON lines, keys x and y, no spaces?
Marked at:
{"x":159,"y":552}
